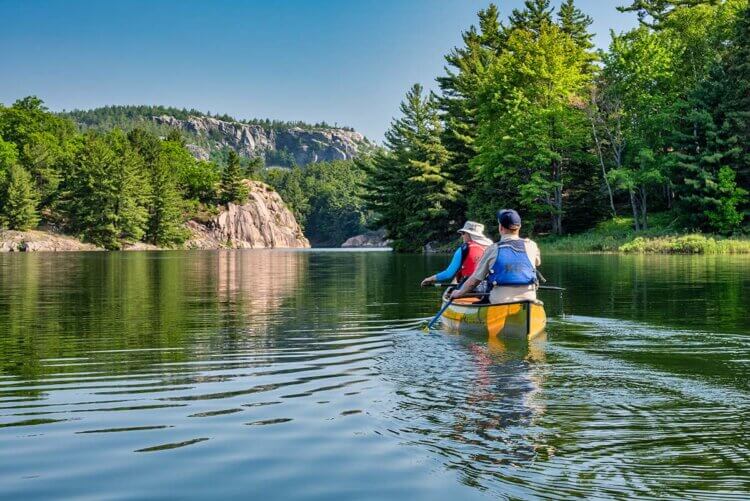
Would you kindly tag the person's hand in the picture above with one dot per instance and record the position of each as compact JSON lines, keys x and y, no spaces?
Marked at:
{"x":456,"y":294}
{"x":428,"y":281}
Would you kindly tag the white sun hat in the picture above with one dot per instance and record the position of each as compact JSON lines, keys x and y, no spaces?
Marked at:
{"x":476,"y":231}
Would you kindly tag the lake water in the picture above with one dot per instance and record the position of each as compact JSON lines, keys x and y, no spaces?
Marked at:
{"x":306,"y":375}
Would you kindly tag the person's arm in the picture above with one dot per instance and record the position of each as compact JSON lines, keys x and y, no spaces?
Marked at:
{"x":481,"y":272}
{"x":447,"y":274}
{"x":467,"y":287}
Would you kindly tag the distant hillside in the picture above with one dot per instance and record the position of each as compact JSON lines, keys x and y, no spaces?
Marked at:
{"x":211,"y":136}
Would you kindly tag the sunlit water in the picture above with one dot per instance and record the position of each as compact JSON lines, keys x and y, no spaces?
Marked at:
{"x":306,"y":375}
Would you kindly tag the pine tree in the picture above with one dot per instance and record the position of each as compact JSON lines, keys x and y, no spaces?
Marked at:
{"x":410,"y":188}
{"x":19,"y":200}
{"x":712,"y":158}
{"x":165,"y":204}
{"x":576,"y":24}
{"x":653,"y":13}
{"x":105,"y":191}
{"x":532,"y":17}
{"x":734,"y":108}
{"x":458,"y":99}
{"x":233,"y":189}
{"x":163,"y":162}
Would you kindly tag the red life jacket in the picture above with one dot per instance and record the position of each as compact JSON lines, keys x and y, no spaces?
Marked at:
{"x":470,"y":256}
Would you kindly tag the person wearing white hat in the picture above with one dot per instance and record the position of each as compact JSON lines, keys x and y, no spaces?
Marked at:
{"x":466,"y":257}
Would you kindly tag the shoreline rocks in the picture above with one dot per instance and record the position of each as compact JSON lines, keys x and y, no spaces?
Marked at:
{"x":371,"y":239}
{"x":41,"y":241}
{"x":263,"y":222}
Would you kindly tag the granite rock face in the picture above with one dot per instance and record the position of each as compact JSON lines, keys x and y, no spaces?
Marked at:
{"x":370,"y":239}
{"x":264,"y":221}
{"x":41,"y":241}
{"x":305,"y":145}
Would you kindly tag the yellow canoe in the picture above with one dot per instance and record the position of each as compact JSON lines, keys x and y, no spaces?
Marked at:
{"x":524,"y":319}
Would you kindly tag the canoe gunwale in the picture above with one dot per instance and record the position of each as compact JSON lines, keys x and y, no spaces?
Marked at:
{"x":488,"y":305}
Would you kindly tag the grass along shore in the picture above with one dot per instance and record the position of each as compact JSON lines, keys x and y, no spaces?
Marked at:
{"x":617,"y":235}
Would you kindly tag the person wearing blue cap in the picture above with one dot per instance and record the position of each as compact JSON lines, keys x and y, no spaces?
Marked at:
{"x":509,"y":266}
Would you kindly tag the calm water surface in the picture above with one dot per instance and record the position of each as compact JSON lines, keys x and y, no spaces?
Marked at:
{"x":306,"y":375}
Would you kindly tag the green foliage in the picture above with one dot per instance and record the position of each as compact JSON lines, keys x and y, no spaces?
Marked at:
{"x":279,"y":158}
{"x":712,"y":159}
{"x":233,"y":188}
{"x":325,"y":198}
{"x":686,"y":244}
{"x":42,"y":141}
{"x":725,"y":217}
{"x":106,"y":191}
{"x":253,"y":167}
{"x":18,"y":200}
{"x":290,"y":183}
{"x":410,"y":189}
{"x":531,"y":126}
{"x":459,"y":100}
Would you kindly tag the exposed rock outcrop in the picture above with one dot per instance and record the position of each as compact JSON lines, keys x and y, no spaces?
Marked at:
{"x":305,"y":145}
{"x":369,"y":239}
{"x":264,"y":221}
{"x":41,"y":241}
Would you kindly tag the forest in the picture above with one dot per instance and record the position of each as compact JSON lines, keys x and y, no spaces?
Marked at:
{"x":530,"y":115}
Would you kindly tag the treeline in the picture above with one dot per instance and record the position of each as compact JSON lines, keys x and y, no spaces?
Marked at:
{"x":529,"y":115}
{"x":111,"y":187}
{"x":327,"y":199}
{"x":127,"y":116}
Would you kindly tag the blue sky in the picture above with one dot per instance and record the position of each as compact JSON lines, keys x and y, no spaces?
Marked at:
{"x":346,"y":62}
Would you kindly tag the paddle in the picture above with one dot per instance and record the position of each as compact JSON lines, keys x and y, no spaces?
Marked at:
{"x":439,"y":313}
{"x":545,"y":287}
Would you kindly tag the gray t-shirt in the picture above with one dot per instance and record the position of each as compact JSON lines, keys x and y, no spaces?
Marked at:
{"x":508,"y":293}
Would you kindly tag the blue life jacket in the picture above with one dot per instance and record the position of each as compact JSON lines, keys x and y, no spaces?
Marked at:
{"x":512,"y":265}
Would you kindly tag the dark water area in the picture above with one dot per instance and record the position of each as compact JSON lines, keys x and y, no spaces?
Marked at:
{"x":306,"y":375}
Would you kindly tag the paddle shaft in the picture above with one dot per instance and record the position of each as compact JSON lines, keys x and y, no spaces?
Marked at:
{"x":545,"y":287}
{"x":439,"y":313}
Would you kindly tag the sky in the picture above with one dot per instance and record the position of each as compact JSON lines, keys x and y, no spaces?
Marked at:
{"x":346,"y":62}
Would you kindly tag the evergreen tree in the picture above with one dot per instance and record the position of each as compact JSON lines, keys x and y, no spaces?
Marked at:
{"x":254,"y":167}
{"x":653,"y":13}
{"x":105,"y":191}
{"x":734,"y":108}
{"x":19,"y":199}
{"x":163,"y":163}
{"x":165,"y":203}
{"x":458,"y":99}
{"x":576,"y":24}
{"x":233,"y":189}
{"x":412,"y":192}
{"x":712,"y":159}
{"x":532,"y":17}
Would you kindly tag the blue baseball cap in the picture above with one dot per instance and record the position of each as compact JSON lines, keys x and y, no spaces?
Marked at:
{"x":508,"y":218}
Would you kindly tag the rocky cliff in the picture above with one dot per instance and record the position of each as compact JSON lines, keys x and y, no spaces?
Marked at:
{"x":263,"y":221}
{"x":304,"y":145}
